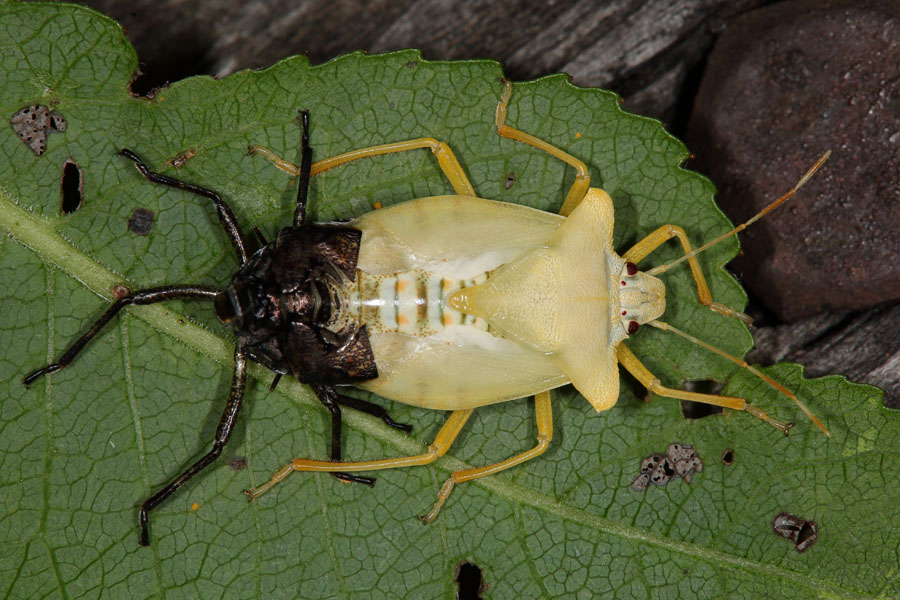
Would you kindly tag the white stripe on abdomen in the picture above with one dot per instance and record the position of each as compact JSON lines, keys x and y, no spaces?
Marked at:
{"x":412,"y":302}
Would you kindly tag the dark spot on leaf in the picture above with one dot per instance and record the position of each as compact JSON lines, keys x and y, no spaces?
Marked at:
{"x":469,"y":583}
{"x":786,"y":525}
{"x":728,"y":457}
{"x":685,"y":459}
{"x":141,"y":221}
{"x":58,"y":123}
{"x":238,"y":463}
{"x":71,"y":187}
{"x":411,"y":64}
{"x":655,"y":469}
{"x":33,"y":123}
{"x":663,"y":472}
{"x":801,"y":532}
{"x":510,"y":180}
{"x":680,"y":460}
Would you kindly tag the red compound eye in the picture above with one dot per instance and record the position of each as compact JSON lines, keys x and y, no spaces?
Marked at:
{"x":631,"y":269}
{"x":632,"y":327}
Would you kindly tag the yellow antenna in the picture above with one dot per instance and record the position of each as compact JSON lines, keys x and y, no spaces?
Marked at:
{"x":744,"y":364}
{"x":743,"y":226}
{"x":663,"y":268}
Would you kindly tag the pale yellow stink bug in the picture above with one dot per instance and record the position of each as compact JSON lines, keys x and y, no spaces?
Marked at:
{"x":469,"y":302}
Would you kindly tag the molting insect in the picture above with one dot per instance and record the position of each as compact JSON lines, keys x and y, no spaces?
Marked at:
{"x":448,"y":303}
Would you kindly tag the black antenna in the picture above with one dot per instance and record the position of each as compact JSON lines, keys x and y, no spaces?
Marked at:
{"x":305,"y":168}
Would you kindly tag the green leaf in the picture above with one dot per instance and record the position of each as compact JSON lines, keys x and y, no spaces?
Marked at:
{"x":81,"y":449}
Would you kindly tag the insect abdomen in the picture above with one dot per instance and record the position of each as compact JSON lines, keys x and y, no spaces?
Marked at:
{"x":411,"y":302}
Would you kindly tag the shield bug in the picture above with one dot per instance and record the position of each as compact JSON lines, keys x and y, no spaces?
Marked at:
{"x":448,"y":303}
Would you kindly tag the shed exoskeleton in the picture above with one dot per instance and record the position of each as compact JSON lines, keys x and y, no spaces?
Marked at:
{"x":448,"y":303}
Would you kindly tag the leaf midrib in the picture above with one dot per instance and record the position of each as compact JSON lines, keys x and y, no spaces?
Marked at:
{"x":39,"y":236}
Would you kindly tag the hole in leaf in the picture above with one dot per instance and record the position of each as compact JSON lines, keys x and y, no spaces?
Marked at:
{"x":728,"y":457}
{"x":469,"y":583}
{"x":141,"y":221}
{"x":71,"y":187}
{"x":807,"y":536}
{"x":698,"y":410}
{"x":510,"y":180}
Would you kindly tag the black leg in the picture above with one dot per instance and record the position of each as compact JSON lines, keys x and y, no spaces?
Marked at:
{"x":275,"y":382}
{"x":261,"y":241}
{"x":374,"y":410}
{"x":223,"y":433}
{"x":226,"y":216}
{"x":148,"y":296}
{"x":328,"y":396}
{"x":305,"y":167}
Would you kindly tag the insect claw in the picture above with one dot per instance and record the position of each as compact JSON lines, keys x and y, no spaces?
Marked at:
{"x":349,"y":478}
{"x":31,"y":377}
{"x":404,"y":427}
{"x":431,"y":515}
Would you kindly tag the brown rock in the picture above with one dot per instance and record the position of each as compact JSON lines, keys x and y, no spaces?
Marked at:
{"x":784,"y":84}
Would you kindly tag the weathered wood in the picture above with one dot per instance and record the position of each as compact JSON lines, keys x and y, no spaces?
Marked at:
{"x":864,"y":346}
{"x":646,"y":51}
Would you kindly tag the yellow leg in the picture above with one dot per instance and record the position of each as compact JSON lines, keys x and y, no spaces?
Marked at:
{"x":442,"y":442}
{"x":743,"y":364}
{"x":582,"y":177}
{"x":659,"y":237}
{"x":544,"y":416}
{"x":446,"y":160}
{"x":634,"y":366}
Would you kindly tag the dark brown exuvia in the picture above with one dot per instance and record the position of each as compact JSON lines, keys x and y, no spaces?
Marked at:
{"x":280,"y":309}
